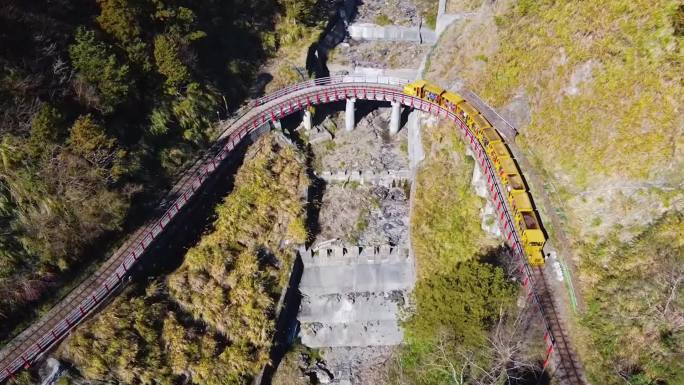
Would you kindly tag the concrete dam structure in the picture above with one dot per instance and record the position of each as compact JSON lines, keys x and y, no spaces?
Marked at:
{"x":352,"y":295}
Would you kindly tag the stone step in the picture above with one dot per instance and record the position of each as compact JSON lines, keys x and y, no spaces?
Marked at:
{"x":352,"y":307}
{"x":358,"y":333}
{"x":376,"y":277}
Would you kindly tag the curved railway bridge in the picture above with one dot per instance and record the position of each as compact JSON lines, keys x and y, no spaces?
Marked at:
{"x":27,"y":348}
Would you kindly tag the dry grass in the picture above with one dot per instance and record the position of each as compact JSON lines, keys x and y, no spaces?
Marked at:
{"x":445,"y":222}
{"x":455,"y":6}
{"x":605,"y":88}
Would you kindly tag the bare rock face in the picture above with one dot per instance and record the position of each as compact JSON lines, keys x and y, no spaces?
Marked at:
{"x":518,"y":112}
{"x":320,"y":374}
{"x":396,"y":12}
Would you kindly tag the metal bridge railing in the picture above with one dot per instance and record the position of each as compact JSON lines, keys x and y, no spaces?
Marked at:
{"x":331,"y":81}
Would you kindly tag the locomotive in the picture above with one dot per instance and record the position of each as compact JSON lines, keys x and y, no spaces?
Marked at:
{"x":517,"y":193}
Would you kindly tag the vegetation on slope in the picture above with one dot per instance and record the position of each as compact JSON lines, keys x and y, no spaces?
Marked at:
{"x":444,"y":220}
{"x":229,"y":279}
{"x":636,"y":306}
{"x":596,"y":73}
{"x":428,"y":11}
{"x":597,"y":91}
{"x":461,"y":301}
{"x":103,"y":103}
{"x":214,"y":324}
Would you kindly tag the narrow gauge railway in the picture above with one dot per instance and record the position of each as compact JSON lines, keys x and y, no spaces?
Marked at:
{"x":32,"y":344}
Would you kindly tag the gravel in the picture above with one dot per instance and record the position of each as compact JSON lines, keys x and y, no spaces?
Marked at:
{"x":379,"y":54}
{"x":395,"y":12}
{"x":368,"y":147}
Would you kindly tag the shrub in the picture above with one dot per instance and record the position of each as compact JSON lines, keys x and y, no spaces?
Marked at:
{"x":95,"y":61}
{"x":169,"y":64}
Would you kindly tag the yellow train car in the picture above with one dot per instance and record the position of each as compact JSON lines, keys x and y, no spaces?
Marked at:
{"x":511,"y":178}
{"x":415,"y":88}
{"x":468,"y":113}
{"x":424,"y":90}
{"x":451,"y":100}
{"x":432,"y":93}
{"x":480,"y":125}
{"x":494,"y":145}
{"x":528,"y":224}
{"x":498,"y":152}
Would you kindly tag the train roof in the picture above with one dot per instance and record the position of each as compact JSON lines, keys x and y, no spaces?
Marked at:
{"x":522,"y":202}
{"x":508,"y":166}
{"x":491,"y":134}
{"x":452,"y":97}
{"x":500,"y":150}
{"x":418,"y":83}
{"x":516,"y":181}
{"x":433,"y":88}
{"x":481,"y":122}
{"x":468,"y":109}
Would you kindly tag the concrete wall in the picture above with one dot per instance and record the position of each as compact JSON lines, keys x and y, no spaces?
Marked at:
{"x":336,"y":255}
{"x":383,"y":178}
{"x":352,"y":295}
{"x":368,"y":31}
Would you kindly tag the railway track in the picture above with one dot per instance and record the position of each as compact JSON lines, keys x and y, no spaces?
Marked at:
{"x":567,"y":366}
{"x":32,"y":344}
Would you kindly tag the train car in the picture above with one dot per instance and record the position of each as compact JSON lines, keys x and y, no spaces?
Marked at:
{"x":493,"y":145}
{"x":432,"y":93}
{"x":512,"y":180}
{"x":480,"y":125}
{"x":424,"y":90}
{"x":451,"y":100}
{"x":498,"y":152}
{"x":415,"y":88}
{"x":528,"y":224}
{"x":468,"y":113}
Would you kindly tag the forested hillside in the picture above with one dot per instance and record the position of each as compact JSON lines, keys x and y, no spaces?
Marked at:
{"x":211,"y":321}
{"x":103,"y":103}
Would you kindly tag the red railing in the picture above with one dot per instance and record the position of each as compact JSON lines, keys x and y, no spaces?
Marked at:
{"x":264,"y":110}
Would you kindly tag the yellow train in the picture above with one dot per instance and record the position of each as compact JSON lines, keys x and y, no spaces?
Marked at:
{"x":518,"y":196}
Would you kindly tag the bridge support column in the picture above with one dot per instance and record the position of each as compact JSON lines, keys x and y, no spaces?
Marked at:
{"x":306,"y":120}
{"x":395,"y":118}
{"x":277,"y":125}
{"x":415,"y":144}
{"x":349,"y":116}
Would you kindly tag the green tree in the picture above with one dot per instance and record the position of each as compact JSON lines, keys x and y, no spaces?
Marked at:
{"x":160,"y":119}
{"x":193,"y":111}
{"x":46,"y":129}
{"x":89,"y":139}
{"x":46,"y":125}
{"x":456,"y":310}
{"x":98,"y":65}
{"x":463,"y":302}
{"x":169,"y":64}
{"x":299,"y":11}
{"x":119,"y":18}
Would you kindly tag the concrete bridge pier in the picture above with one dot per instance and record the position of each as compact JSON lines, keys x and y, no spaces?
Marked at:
{"x":415,"y":143}
{"x":349,"y":116}
{"x":306,"y":120}
{"x":395,"y":118}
